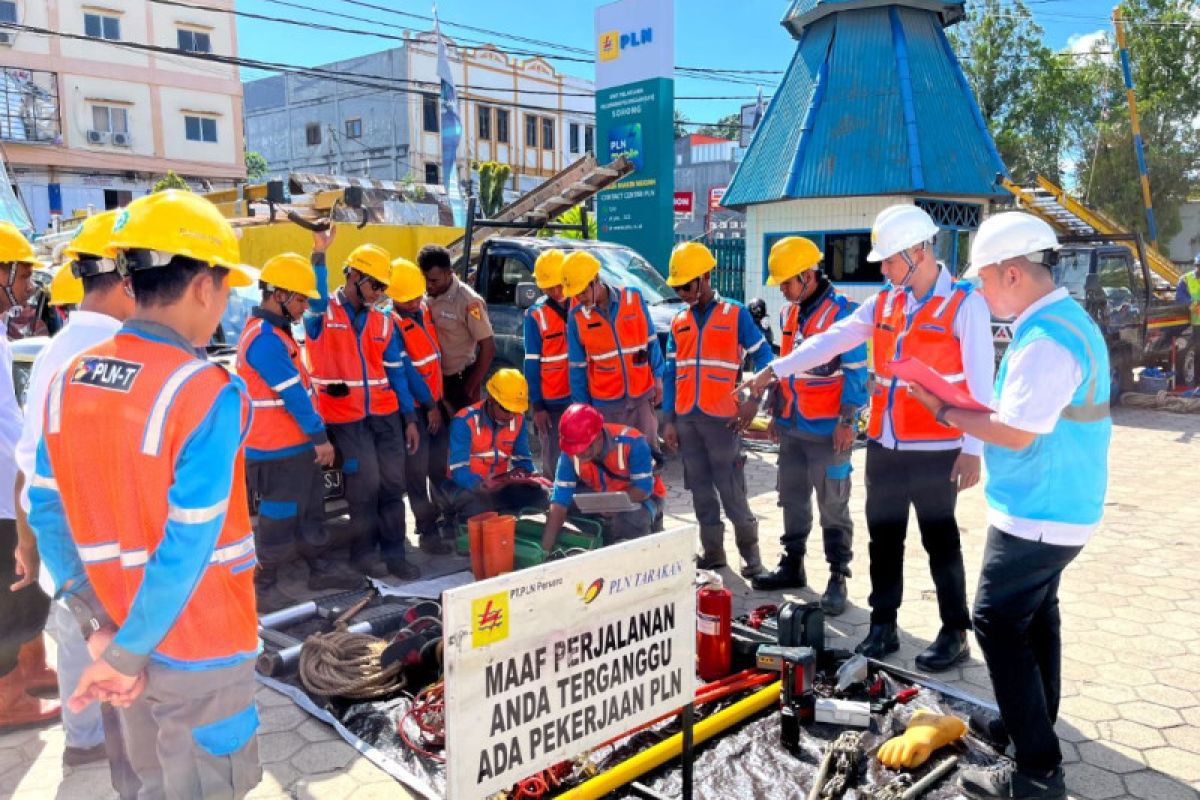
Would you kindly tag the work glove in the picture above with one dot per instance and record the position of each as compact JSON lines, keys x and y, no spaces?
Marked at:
{"x":926,"y":732}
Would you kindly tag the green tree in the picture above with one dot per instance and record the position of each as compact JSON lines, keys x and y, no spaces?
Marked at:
{"x":727,"y":127}
{"x":170,"y":181}
{"x":493,"y":177}
{"x":681,"y":121}
{"x":256,"y":166}
{"x":571,"y":217}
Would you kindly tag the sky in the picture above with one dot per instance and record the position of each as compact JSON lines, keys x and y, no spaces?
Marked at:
{"x":724,"y":35}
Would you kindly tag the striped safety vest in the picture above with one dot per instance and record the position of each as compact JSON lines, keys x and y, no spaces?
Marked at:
{"x":341,"y":358}
{"x":273,"y":427}
{"x":707,"y":361}
{"x":618,"y":356}
{"x":421,"y":343}
{"x":552,"y":363}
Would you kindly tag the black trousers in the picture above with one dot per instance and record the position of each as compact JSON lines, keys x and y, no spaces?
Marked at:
{"x":291,"y":509}
{"x":455,"y":388}
{"x":897,"y":479}
{"x":1019,"y":629}
{"x":22,"y":614}
{"x":372,"y":455}
{"x":425,"y":470}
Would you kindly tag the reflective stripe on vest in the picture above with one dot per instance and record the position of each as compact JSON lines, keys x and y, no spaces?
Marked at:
{"x":272,"y":427}
{"x":618,"y":358}
{"x":552,"y":362}
{"x":115,"y":481}
{"x":339,"y":356}
{"x":707,"y":361}
{"x":491,"y":448}
{"x":929,"y":336}
{"x":615,"y":476}
{"x":424,"y":350}
{"x":813,"y":398}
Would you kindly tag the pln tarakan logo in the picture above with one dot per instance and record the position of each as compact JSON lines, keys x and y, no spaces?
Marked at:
{"x":609,"y":46}
{"x":489,"y":619}
{"x":591,"y":592}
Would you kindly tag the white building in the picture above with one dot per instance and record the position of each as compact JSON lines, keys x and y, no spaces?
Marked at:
{"x":89,"y":123}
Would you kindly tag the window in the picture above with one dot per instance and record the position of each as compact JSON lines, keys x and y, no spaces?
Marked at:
{"x":531,"y":125}
{"x":846,"y":258}
{"x":194,"y":41}
{"x":312,"y":134}
{"x":354,"y":129}
{"x":102,"y":26}
{"x":432,"y":174}
{"x":574,"y":137}
{"x":485,"y":122}
{"x":589,"y":139}
{"x":200,"y":129}
{"x":112,"y":119}
{"x":547,"y":133}
{"x":504,"y":273}
{"x":430,"y":114}
{"x":116,"y":198}
{"x":502,"y":126}
{"x":8,"y":11}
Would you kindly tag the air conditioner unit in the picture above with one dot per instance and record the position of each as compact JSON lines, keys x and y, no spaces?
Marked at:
{"x":98,"y":137}
{"x":122,"y":139}
{"x":7,"y":38}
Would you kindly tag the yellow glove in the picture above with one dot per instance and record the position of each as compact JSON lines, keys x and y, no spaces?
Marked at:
{"x":926,"y":732}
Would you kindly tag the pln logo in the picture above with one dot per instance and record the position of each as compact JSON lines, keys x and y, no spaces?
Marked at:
{"x":489,"y":617}
{"x":612,"y":43}
{"x":591,"y":592}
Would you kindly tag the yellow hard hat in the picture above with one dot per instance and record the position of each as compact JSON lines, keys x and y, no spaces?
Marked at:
{"x":371,"y":260}
{"x":407,"y":281}
{"x":548,"y":270}
{"x":291,"y":272}
{"x":91,"y":237}
{"x":65,"y":288}
{"x":790,"y":256}
{"x":509,"y":388}
{"x":14,"y":247}
{"x":689,"y":261}
{"x":579,"y":269}
{"x":183,"y":224}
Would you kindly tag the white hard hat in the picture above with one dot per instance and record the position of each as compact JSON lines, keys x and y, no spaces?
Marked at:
{"x":1009,"y":235}
{"x":899,"y":228}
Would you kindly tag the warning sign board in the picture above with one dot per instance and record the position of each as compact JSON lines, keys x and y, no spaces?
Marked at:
{"x":546,"y":663}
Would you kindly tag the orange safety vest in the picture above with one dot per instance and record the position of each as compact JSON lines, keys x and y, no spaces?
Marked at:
{"x":114,"y":479}
{"x":556,"y":377}
{"x":618,"y":357}
{"x":707,"y":361}
{"x":928,"y":336}
{"x":341,"y":357}
{"x":491,"y":447}
{"x":272,"y":426}
{"x":615,"y":477}
{"x":421,"y":342}
{"x":812,"y":398}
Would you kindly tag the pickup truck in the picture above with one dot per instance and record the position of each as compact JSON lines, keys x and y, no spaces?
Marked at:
{"x":504,"y":279}
{"x":1117,"y":290}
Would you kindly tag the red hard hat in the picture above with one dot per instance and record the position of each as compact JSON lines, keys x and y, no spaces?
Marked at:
{"x":578,"y":428}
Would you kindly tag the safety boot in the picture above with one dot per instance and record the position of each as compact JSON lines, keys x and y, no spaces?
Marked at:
{"x":881,"y":640}
{"x":712,"y":545}
{"x":746,"y":537}
{"x":833,"y":601}
{"x":267,"y":593}
{"x":949,"y":648}
{"x":31,"y":661}
{"x":18,"y":708}
{"x":788,"y":575}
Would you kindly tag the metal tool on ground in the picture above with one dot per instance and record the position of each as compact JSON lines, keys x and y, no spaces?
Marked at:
{"x":328,"y":607}
{"x":901,"y":698}
{"x":905,"y":788}
{"x":839,"y":767}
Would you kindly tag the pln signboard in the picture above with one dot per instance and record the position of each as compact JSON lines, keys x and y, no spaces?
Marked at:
{"x":715,"y":195}
{"x":544,"y":664}
{"x":635,"y":106}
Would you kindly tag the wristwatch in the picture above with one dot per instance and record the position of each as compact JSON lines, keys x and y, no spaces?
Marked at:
{"x":846,"y":421}
{"x":940,"y":416}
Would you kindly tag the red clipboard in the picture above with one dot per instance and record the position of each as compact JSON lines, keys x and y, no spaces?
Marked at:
{"x":912,"y":370}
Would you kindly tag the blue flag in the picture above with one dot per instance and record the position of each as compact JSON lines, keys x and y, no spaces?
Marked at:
{"x":451,"y":123}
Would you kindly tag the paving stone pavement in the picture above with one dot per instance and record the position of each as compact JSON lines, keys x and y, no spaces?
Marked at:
{"x":1130,"y":718}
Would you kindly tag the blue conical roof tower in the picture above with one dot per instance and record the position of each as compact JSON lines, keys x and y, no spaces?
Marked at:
{"x":873,"y":103}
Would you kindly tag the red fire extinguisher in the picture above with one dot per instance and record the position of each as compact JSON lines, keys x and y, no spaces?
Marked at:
{"x":714,"y":628}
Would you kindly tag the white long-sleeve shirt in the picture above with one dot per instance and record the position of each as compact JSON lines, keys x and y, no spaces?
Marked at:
{"x":10,"y":432}
{"x":84,"y":330}
{"x":972,"y":327}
